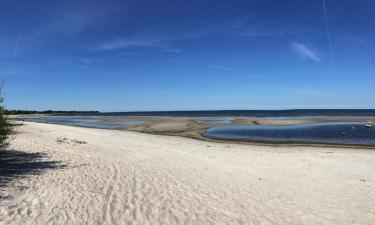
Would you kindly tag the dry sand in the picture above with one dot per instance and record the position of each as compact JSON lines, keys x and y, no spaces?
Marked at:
{"x":123,"y":177}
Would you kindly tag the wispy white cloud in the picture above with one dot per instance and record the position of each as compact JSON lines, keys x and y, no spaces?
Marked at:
{"x":126,"y":43}
{"x":220,"y":67}
{"x":172,"y":50}
{"x":304,"y":52}
{"x":16,"y":47}
{"x":158,"y":37}
{"x":119,"y":44}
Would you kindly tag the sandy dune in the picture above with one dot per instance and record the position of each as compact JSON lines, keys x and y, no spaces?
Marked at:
{"x":122,"y":177}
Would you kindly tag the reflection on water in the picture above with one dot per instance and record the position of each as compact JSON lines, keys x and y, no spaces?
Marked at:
{"x":84,"y":122}
{"x":337,"y":132}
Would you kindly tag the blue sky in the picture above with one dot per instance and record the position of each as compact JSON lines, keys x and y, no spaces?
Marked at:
{"x":187,"y":55}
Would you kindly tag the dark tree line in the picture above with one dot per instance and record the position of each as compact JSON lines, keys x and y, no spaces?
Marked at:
{"x":23,"y":112}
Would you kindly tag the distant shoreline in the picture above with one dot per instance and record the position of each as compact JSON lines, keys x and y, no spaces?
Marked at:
{"x":206,"y":113}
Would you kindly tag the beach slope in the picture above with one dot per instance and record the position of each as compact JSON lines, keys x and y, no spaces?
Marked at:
{"x":124,"y":177}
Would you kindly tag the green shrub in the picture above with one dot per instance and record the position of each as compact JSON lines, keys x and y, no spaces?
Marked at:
{"x":5,"y":127}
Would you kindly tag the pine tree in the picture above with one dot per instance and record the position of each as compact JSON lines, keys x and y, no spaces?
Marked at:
{"x":5,"y":127}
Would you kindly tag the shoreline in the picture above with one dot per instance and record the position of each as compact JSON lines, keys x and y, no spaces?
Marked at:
{"x":194,"y":130}
{"x":267,"y":143}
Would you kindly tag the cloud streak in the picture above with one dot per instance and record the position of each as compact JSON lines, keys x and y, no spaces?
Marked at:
{"x":119,"y":44}
{"x":124,"y":43}
{"x":304,"y":52}
{"x":16,"y":47}
{"x":333,"y":61}
{"x":157,"y":37}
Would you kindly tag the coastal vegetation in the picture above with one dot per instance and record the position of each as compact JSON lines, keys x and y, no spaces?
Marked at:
{"x":5,"y":127}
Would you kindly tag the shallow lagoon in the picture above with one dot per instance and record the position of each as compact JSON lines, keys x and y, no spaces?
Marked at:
{"x":334,"y":133}
{"x":216,"y":120}
{"x":84,"y":122}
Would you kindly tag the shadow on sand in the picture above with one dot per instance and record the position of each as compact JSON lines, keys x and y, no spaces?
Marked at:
{"x":18,"y":164}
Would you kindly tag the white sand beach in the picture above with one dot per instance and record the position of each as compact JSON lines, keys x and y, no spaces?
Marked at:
{"x":124,"y":177}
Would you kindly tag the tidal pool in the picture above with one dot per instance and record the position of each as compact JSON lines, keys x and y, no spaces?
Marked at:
{"x":334,"y":133}
{"x":216,"y":120}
